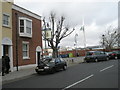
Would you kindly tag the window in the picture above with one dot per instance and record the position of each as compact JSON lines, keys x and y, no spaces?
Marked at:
{"x":25,"y":50}
{"x":28,"y":26}
{"x":6,"y":20}
{"x":25,"y":27}
{"x":21,"y":26}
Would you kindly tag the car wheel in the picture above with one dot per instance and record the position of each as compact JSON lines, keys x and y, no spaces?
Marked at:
{"x":107,"y":58}
{"x":87,"y":61}
{"x":96,"y":60}
{"x":64,"y":67}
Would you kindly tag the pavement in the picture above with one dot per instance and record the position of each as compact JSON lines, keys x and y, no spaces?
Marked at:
{"x":29,"y":71}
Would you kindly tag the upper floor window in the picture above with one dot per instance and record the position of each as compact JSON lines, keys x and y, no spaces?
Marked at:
{"x":6,"y":20}
{"x":25,"y":27}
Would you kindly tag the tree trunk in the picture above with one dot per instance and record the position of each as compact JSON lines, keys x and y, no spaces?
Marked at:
{"x":55,"y":53}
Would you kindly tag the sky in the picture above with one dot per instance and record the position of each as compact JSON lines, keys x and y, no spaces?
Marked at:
{"x":98,"y":15}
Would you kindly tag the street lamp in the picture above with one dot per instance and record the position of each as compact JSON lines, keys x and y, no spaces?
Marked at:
{"x":103,"y":37}
{"x":75,"y":44}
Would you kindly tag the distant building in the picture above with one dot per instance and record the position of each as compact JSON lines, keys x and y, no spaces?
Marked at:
{"x":27,"y":37}
{"x":94,"y":47}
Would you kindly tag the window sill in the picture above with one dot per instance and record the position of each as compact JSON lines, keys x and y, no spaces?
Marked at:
{"x":25,"y":35}
{"x":6,"y":26}
{"x":26,"y":58}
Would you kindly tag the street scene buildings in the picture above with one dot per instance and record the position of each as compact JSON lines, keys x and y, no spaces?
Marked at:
{"x":20,"y":28}
{"x":35,"y":44}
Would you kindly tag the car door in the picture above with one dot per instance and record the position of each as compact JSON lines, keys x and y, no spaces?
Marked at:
{"x":57,"y":64}
{"x":103,"y":56}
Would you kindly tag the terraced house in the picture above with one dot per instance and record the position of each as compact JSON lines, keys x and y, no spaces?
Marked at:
{"x":6,"y":45}
{"x":27,"y":37}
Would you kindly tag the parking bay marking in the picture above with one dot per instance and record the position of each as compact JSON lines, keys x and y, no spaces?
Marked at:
{"x":78,"y":82}
{"x":106,"y":68}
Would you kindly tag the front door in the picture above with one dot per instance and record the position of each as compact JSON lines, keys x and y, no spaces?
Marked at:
{"x":5,"y":50}
{"x":38,"y":58}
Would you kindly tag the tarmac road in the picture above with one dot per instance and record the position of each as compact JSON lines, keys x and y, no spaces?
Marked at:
{"x":85,"y":75}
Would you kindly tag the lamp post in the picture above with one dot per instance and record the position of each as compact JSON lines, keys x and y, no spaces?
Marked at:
{"x":75,"y":44}
{"x":103,"y":37}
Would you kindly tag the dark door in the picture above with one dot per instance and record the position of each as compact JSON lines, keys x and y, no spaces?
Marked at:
{"x":5,"y":49}
{"x":38,"y":58}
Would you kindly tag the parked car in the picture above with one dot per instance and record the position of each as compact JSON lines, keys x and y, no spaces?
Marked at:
{"x":50,"y":66}
{"x":64,"y":55}
{"x":114,"y":55}
{"x":96,"y":56}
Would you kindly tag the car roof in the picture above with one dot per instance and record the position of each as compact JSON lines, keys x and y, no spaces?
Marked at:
{"x":94,"y":51}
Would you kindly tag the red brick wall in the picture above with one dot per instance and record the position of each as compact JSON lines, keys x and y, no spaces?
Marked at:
{"x":35,"y":41}
{"x":82,"y":52}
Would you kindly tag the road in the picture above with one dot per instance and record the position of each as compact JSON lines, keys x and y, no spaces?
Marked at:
{"x":85,"y":75}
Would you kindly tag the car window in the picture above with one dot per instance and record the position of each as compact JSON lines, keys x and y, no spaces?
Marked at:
{"x":57,"y":60}
{"x":89,"y":53}
{"x":117,"y":52}
{"x":102,"y":53}
{"x":97,"y":53}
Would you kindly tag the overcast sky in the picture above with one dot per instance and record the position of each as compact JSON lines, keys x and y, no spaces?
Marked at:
{"x":98,"y":15}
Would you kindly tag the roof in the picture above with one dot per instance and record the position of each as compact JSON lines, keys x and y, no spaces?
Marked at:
{"x":25,"y":11}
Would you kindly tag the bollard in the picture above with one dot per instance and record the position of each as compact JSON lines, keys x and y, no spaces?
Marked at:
{"x":72,"y":60}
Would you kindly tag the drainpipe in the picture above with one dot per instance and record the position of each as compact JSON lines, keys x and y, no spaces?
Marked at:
{"x":16,"y":15}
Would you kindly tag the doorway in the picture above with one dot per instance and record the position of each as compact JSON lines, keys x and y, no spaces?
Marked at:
{"x":5,"y":50}
{"x":38,"y":54}
{"x":38,"y":57}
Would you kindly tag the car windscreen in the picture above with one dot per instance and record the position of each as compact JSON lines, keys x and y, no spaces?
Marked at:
{"x":117,"y":52}
{"x":89,"y":53}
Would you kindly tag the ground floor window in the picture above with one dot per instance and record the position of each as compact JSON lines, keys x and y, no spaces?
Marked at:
{"x":25,"y":50}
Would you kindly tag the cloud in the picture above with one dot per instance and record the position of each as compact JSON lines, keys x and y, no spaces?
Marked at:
{"x":93,"y":34}
{"x":98,"y":15}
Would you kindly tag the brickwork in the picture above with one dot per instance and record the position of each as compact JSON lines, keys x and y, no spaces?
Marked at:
{"x":35,"y":41}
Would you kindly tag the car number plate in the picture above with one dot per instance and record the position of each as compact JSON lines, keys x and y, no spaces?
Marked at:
{"x":40,"y":69}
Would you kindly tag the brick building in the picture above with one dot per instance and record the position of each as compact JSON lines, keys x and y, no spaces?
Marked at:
{"x":27,"y":37}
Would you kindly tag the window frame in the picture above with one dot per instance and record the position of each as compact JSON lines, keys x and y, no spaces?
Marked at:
{"x":25,"y":34}
{"x":26,"y":57}
{"x":5,"y":14}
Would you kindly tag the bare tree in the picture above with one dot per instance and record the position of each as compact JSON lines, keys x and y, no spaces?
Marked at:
{"x":110,"y":39}
{"x":58,"y":31}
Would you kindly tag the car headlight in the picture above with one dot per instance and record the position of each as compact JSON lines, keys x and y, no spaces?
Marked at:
{"x":46,"y":67}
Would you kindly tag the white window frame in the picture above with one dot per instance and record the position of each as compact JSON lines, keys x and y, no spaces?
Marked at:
{"x":25,"y":34}
{"x":8,"y":20}
{"x":28,"y":57}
